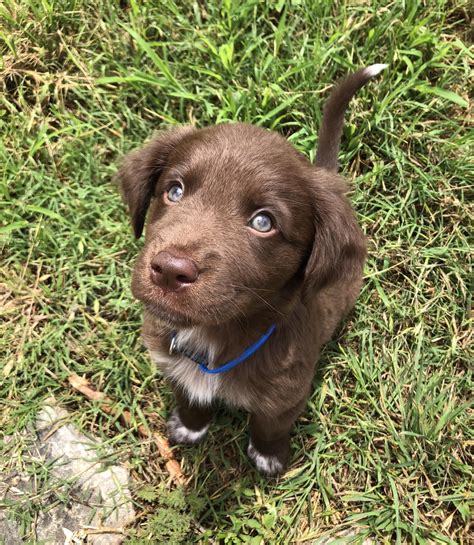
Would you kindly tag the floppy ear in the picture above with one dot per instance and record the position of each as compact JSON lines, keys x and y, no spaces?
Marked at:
{"x":140,"y":171}
{"x":339,"y":247}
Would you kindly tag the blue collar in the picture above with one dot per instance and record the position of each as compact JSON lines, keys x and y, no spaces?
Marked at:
{"x":203,"y":362}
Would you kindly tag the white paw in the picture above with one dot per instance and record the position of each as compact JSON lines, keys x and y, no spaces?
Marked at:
{"x":268,"y":465}
{"x":179,"y":433}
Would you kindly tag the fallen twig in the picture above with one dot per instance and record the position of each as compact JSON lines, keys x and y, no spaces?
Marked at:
{"x":172,"y":466}
{"x":79,"y":537}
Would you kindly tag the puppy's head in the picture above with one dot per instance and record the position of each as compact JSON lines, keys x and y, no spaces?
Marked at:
{"x":239,"y":223}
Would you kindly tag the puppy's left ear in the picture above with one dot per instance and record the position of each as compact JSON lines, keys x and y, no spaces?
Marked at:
{"x":339,"y":247}
{"x":140,"y":171}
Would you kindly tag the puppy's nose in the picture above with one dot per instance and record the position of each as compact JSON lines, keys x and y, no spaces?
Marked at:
{"x":172,"y":273}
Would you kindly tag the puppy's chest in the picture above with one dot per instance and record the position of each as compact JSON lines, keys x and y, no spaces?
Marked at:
{"x":201,"y":388}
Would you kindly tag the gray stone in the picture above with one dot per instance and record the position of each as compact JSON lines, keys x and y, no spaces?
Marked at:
{"x":80,"y":500}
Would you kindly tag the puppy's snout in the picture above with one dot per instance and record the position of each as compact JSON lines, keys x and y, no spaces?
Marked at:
{"x":172,"y":273}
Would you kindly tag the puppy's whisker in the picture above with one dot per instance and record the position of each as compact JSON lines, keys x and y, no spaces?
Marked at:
{"x":262,"y":299}
{"x":243,"y":286}
{"x":238,"y":316}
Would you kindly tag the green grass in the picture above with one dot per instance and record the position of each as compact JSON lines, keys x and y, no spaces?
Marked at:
{"x":383,"y":447}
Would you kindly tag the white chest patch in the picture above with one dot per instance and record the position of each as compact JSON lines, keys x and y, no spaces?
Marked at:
{"x":200,"y":387}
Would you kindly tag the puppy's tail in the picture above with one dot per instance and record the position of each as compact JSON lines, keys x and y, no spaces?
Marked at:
{"x":333,"y":115}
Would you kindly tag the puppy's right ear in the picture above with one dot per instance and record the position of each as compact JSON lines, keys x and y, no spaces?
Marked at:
{"x":140,"y":171}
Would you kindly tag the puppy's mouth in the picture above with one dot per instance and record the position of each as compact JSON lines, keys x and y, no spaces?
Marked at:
{"x":168,"y":316}
{"x":188,"y":306}
{"x":169,"y":307}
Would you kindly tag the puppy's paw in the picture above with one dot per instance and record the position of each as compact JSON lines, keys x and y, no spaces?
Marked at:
{"x":269,"y":465}
{"x":178,"y":433}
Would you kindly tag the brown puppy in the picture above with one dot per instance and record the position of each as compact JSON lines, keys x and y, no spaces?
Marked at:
{"x":250,"y":251}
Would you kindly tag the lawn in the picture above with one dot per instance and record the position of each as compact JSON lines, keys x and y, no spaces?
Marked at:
{"x":383,"y":447}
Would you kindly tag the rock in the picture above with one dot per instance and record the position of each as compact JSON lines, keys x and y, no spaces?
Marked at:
{"x":82,"y":501}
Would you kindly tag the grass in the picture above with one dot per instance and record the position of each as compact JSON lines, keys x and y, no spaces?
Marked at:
{"x":383,"y":447}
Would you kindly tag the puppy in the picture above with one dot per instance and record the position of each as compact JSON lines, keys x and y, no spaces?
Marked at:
{"x":252,"y":257}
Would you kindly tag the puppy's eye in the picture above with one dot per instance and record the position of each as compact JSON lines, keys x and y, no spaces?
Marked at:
{"x":261,"y":222}
{"x":175,"y":193}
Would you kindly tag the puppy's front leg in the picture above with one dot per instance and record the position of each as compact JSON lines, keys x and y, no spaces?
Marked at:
{"x":188,"y":424}
{"x":269,"y":446}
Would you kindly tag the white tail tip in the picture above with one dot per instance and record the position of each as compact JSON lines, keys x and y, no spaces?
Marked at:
{"x":374,"y":69}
